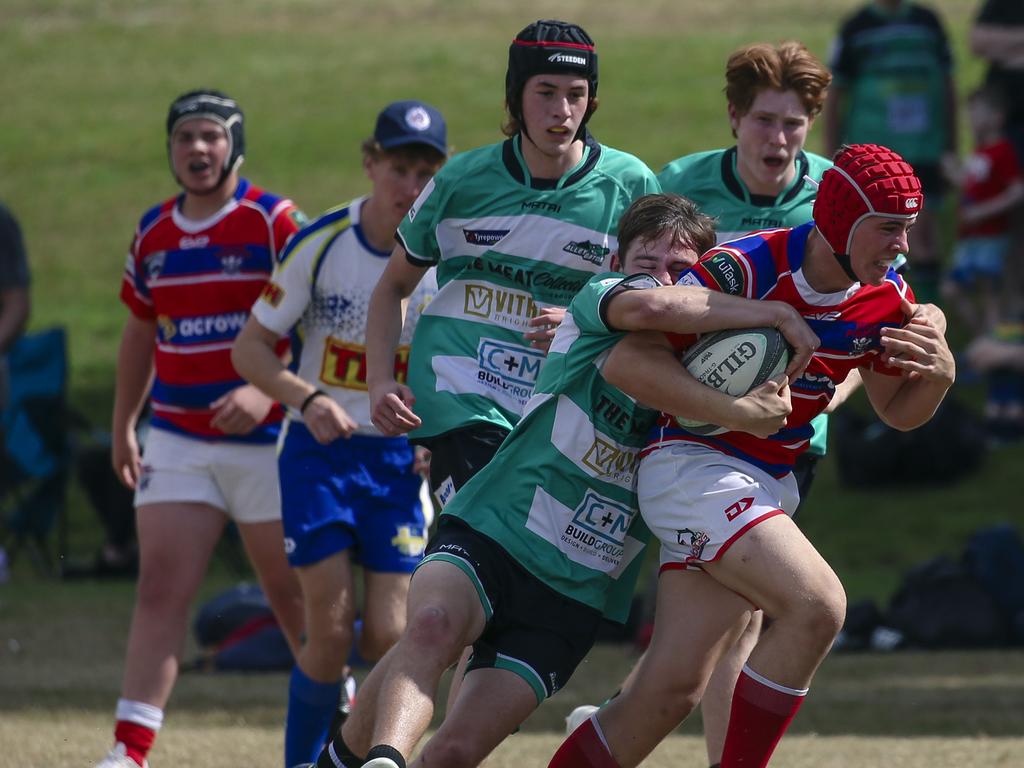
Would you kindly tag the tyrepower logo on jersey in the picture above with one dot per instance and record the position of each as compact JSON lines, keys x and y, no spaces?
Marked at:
{"x":726,"y":271}
{"x":344,"y":364}
{"x":499,"y":305}
{"x":592,"y":252}
{"x":208,"y":327}
{"x":273,"y":294}
{"x":509,"y":368}
{"x":486,"y":237}
{"x":599,"y":526}
{"x":611,"y":461}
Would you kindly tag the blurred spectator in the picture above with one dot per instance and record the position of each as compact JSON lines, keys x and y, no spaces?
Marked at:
{"x":1000,"y":356}
{"x":990,"y":187}
{"x":893,"y":85}
{"x":14,"y":293}
{"x":998,"y":36}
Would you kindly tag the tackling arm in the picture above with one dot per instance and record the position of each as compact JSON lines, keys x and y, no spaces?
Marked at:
{"x":689,"y":309}
{"x":644,"y":366}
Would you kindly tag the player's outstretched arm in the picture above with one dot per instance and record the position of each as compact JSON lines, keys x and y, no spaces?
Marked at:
{"x":390,"y":402}
{"x":920,"y":351}
{"x":644,"y":366}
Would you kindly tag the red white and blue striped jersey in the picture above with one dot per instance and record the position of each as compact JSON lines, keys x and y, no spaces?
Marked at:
{"x":767,"y":265}
{"x":198,"y":280}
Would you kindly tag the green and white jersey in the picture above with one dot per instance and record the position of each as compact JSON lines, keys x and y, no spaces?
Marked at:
{"x":560,"y":494}
{"x":505,"y":246}
{"x":895,"y":65}
{"x":711,"y":180}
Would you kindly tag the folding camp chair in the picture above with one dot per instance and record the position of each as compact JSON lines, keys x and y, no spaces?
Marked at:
{"x":35,"y":449}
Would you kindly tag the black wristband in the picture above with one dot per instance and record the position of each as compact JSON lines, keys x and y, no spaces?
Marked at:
{"x":313,"y":396}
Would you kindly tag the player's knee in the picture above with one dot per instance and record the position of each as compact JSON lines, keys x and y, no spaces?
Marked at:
{"x":674,"y":696}
{"x":450,"y":750}
{"x":162,"y":594}
{"x":677,"y":702}
{"x":824,"y":612}
{"x":432,"y":627}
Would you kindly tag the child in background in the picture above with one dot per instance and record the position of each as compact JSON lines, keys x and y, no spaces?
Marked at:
{"x":990,"y":186}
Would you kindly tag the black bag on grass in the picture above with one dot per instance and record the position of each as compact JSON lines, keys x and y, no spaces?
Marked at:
{"x":995,"y":557}
{"x":941,"y":605}
{"x":942,"y":451}
{"x":237,"y":631}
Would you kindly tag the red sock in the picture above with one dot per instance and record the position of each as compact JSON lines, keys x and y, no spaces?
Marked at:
{"x":761,"y":713}
{"x":585,"y":748}
{"x":137,"y":739}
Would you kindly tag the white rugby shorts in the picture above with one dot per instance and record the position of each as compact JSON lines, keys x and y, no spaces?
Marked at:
{"x":238,"y":478}
{"x":698,"y":501}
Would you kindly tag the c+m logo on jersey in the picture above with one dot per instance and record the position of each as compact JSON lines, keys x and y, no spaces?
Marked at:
{"x":604,"y":518}
{"x":515,"y":364}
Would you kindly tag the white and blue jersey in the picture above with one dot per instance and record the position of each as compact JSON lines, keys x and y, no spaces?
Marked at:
{"x":360,"y":492}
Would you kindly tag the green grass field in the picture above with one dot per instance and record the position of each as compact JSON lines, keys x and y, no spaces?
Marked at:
{"x":85,"y":88}
{"x":61,"y":653}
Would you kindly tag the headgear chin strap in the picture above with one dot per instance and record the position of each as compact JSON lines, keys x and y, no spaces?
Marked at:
{"x":549,"y":47}
{"x":865,"y":180}
{"x":215,"y":106}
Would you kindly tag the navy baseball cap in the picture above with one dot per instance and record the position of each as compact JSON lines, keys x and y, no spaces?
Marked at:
{"x":411,"y":122}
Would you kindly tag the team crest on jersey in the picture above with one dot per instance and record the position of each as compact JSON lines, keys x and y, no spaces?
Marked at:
{"x":231,"y":261}
{"x":695,"y":540}
{"x":860,"y":344}
{"x":298,"y":218}
{"x":592,"y":252}
{"x":153,"y":264}
{"x":726,"y":271}
{"x":273,"y":294}
{"x":484,"y":236}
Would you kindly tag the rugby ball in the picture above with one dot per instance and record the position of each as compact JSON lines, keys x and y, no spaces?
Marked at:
{"x":734,"y":362}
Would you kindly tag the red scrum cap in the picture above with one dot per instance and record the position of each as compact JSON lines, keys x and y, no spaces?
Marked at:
{"x":865,"y":180}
